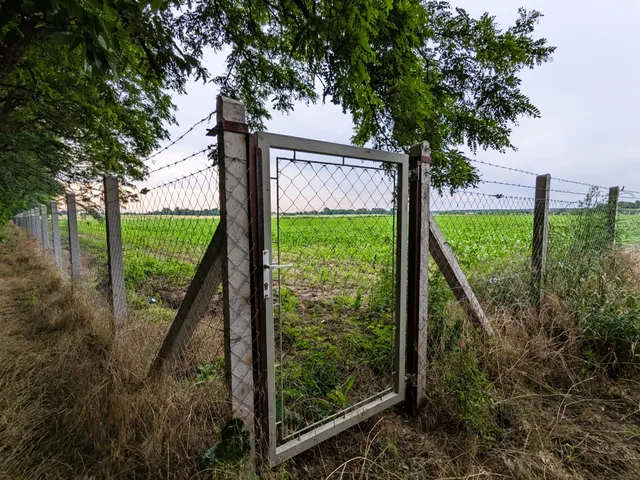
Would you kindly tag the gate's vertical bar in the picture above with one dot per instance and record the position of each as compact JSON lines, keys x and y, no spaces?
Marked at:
{"x":540,"y":234}
{"x":418,"y":285}
{"x":74,"y":245}
{"x":234,"y":207}
{"x":114,"y":250}
{"x":55,"y":231}
{"x":614,"y":193}
{"x":44,"y":218}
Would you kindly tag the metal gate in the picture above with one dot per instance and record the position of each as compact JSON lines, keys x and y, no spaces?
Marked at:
{"x":334,"y":285}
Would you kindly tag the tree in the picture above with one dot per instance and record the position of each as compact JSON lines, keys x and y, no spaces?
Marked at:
{"x":83,"y":83}
{"x":61,"y":124}
{"x":406,"y":70}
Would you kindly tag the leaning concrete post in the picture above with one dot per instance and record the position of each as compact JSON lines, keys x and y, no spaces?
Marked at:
{"x":74,"y":245}
{"x":234,"y":207}
{"x":44,"y":222}
{"x":114,"y":249}
{"x":418,"y":285}
{"x":612,"y":220}
{"x":540,"y":234}
{"x":55,"y":230}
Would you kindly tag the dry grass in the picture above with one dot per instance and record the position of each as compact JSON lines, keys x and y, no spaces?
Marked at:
{"x":76,"y":404}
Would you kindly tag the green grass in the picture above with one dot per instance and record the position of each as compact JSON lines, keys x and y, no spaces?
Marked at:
{"x":629,"y":229}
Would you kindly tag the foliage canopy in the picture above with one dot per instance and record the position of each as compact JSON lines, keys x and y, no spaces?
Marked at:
{"x":84,"y":83}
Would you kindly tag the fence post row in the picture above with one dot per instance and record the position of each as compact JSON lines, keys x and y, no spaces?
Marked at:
{"x":74,"y":246}
{"x":418,"y":285}
{"x":614,"y":193}
{"x":55,"y":231}
{"x":44,"y":219}
{"x":540,"y":235}
{"x":117,"y":292}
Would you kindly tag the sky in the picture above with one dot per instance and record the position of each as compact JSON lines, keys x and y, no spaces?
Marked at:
{"x":589,"y":97}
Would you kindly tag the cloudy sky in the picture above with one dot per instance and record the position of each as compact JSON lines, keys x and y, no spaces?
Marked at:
{"x":589,"y":96}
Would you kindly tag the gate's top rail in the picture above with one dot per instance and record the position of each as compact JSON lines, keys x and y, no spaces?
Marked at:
{"x":285,"y":142}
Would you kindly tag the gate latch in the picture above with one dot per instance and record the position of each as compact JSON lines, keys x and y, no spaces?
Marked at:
{"x":266,"y":264}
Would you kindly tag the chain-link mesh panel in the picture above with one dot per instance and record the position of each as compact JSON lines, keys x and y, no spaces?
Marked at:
{"x":581,"y":233}
{"x":491,"y":238}
{"x":165,"y":232}
{"x":335,"y":324}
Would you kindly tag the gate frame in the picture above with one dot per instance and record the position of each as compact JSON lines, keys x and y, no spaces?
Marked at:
{"x":265,"y":142}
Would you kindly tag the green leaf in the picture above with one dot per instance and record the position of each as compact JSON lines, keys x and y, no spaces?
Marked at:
{"x":102,"y":42}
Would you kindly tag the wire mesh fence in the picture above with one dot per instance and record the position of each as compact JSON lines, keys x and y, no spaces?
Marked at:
{"x":166,"y":229}
{"x":491,"y":236}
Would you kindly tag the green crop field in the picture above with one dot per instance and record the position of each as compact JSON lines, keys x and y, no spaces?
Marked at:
{"x":327,"y":250}
{"x":334,"y":319}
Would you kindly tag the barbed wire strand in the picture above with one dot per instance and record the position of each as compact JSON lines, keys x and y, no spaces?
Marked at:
{"x":519,"y":185}
{"x":164,"y":149}
{"x":195,"y":154}
{"x":519,"y":170}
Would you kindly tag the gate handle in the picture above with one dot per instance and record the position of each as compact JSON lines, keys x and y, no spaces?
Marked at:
{"x":266,"y":265}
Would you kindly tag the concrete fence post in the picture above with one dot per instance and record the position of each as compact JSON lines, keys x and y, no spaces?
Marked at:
{"x":418,"y":285}
{"x":55,"y":231}
{"x":44,"y":222}
{"x":234,"y":206}
{"x":34,"y":223}
{"x":74,"y":244}
{"x":612,"y":220}
{"x":38,"y":225}
{"x":117,"y":291}
{"x":540,"y":234}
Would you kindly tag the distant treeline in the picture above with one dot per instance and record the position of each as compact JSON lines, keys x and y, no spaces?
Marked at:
{"x":342,"y":211}
{"x":630,"y":205}
{"x":326,"y":211}
{"x":381,"y":211}
{"x":185,"y":211}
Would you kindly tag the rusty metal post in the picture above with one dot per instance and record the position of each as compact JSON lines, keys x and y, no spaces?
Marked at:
{"x":418,"y":285}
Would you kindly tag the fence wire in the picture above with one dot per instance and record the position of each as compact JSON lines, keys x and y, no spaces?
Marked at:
{"x":165,"y":230}
{"x":491,"y":235}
